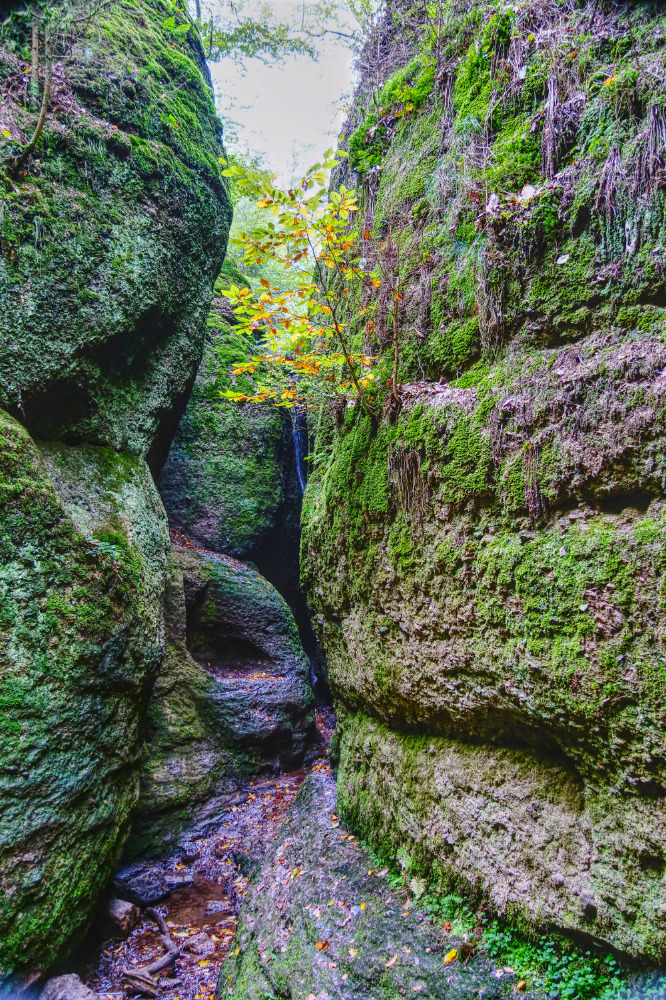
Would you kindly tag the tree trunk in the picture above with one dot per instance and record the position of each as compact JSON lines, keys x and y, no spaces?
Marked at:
{"x":27,"y":150}
{"x":34,"y":62}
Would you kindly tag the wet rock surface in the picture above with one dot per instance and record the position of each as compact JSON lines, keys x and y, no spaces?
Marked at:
{"x":319,"y":924}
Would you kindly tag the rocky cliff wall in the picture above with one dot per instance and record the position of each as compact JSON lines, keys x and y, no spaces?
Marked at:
{"x":486,"y":566}
{"x":111,"y":236}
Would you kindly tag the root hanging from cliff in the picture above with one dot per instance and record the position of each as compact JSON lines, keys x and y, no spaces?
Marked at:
{"x":405,"y":472}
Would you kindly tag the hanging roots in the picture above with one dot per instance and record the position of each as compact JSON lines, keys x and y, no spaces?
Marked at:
{"x":405,"y":474}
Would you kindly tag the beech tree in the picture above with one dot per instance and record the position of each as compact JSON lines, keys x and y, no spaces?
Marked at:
{"x":303,"y":349}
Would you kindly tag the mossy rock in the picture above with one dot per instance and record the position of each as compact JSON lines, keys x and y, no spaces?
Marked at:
{"x":486,"y":566}
{"x":335,"y":928}
{"x":516,"y":828}
{"x":226,"y":480}
{"x":83,"y":556}
{"x":118,"y":229}
{"x":233,"y":698}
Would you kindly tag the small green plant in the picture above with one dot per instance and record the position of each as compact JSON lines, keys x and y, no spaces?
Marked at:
{"x":555,"y":965}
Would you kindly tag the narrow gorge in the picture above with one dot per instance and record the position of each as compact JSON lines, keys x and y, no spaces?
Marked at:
{"x":360,"y":698}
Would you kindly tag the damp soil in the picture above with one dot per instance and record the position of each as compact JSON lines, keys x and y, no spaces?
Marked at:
{"x":205,"y":882}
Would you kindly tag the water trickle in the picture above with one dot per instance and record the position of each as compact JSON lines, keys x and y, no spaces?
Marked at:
{"x":300,"y":435}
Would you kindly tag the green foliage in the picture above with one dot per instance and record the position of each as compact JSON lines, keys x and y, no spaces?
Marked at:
{"x":554,"y":965}
{"x":400,"y":98}
{"x":306,"y":353}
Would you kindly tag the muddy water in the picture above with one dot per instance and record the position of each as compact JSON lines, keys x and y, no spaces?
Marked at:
{"x":201,"y":914}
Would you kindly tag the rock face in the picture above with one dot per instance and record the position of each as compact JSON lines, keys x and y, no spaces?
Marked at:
{"x":118,"y":232}
{"x":225,"y":479}
{"x":486,"y":567}
{"x":230,"y":481}
{"x":111,"y":237}
{"x":233,"y":697}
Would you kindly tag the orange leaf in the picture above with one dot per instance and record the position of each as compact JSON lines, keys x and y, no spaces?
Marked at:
{"x":366,"y":234}
{"x":447,"y":927}
{"x":265,"y":283}
{"x":521,"y":985}
{"x":399,"y":297}
{"x":450,"y":956}
{"x":321,"y":945}
{"x":391,"y":962}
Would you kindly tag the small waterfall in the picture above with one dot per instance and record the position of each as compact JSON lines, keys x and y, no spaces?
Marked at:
{"x":299,"y":429}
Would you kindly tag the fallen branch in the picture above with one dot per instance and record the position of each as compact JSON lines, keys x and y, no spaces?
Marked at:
{"x":142,"y":977}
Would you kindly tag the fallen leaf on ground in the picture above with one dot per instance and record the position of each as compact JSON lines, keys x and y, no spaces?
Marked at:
{"x":391,"y":962}
{"x":521,"y":985}
{"x":321,"y":945}
{"x":353,"y":952}
{"x":450,"y":956}
{"x":447,"y":927}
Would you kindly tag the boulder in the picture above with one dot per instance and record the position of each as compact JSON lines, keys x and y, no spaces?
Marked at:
{"x":233,"y":698}
{"x":112,"y":236}
{"x":83,"y":561}
{"x":131,"y":215}
{"x":117,"y":918}
{"x":67,"y":988}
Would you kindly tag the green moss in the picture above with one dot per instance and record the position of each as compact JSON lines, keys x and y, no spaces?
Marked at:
{"x":79,"y":645}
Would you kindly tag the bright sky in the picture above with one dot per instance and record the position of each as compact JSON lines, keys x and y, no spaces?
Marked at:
{"x":291,"y":112}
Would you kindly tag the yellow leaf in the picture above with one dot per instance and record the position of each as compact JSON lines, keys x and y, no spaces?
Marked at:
{"x":521,"y":985}
{"x":362,"y":906}
{"x":450,"y":956}
{"x":391,"y":962}
{"x":376,"y":282}
{"x":353,"y":952}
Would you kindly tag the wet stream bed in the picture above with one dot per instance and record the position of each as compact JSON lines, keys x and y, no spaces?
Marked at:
{"x":198,"y":890}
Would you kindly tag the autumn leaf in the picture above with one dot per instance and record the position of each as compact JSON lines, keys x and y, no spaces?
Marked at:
{"x":265,"y":283}
{"x":321,"y":945}
{"x":447,"y":927}
{"x":450,"y":956}
{"x":353,"y":952}
{"x":521,"y":985}
{"x":391,"y":962}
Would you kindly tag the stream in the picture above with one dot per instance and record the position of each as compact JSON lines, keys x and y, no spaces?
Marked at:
{"x":198,"y":889}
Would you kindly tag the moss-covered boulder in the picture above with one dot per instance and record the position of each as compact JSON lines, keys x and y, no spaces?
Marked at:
{"x":112,"y":235}
{"x":486,"y":566}
{"x":83,"y":558}
{"x":233,"y":697}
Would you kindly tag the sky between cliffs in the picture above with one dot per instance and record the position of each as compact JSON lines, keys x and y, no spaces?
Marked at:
{"x":290,"y":112}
